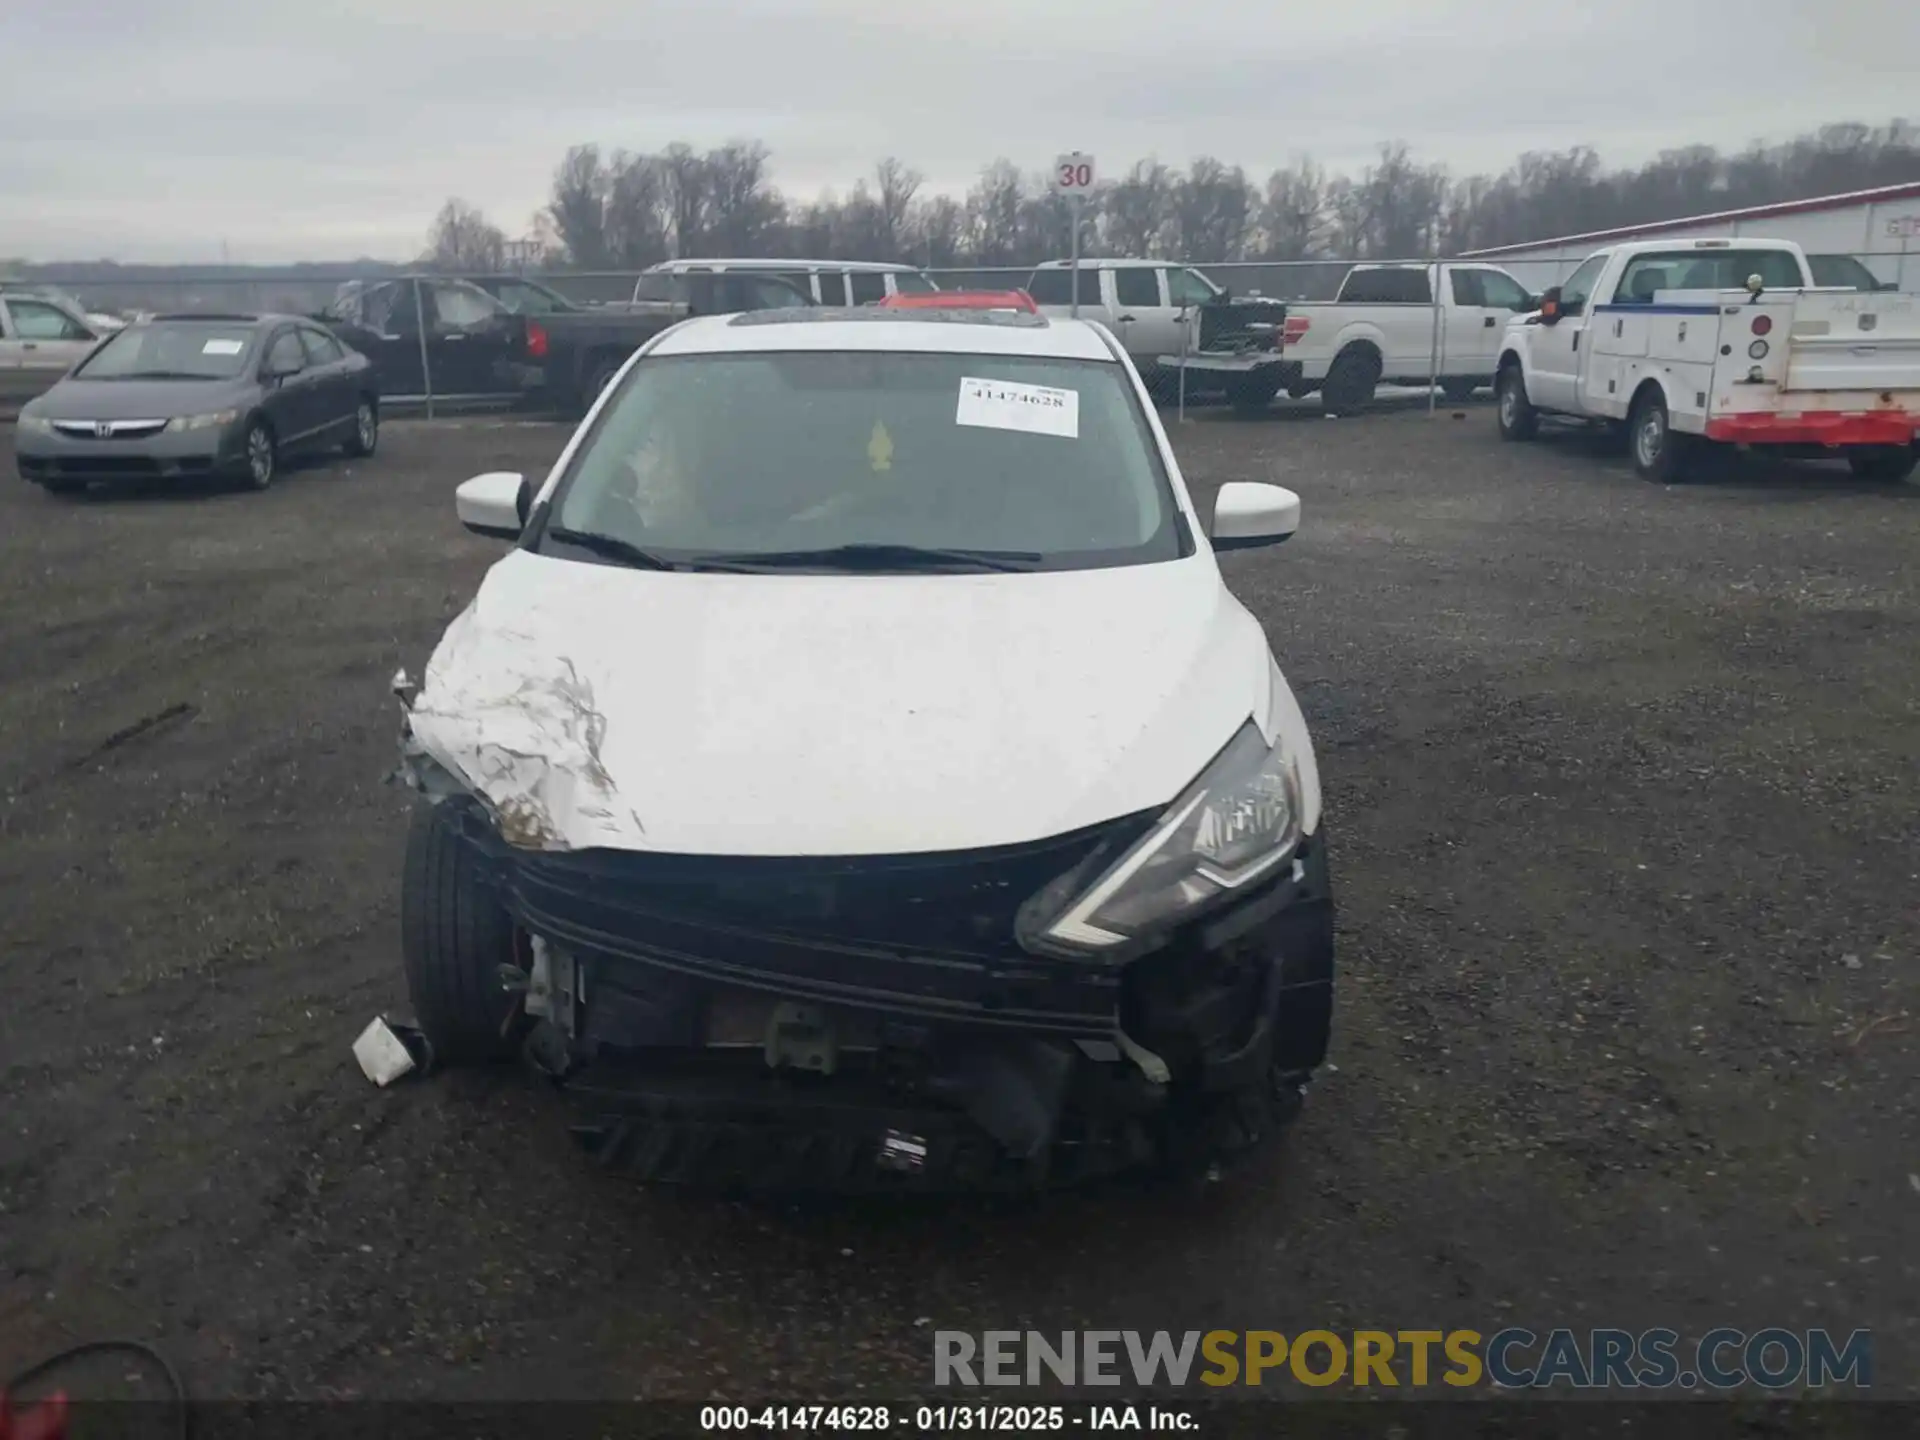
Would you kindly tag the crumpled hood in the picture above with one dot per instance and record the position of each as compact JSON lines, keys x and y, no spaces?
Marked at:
{"x":594,"y":705}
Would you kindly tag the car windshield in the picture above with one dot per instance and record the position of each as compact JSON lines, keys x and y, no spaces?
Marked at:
{"x":1020,"y":462}
{"x":173,"y":350}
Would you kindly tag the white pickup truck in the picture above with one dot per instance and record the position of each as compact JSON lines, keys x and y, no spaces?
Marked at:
{"x":1695,"y":341}
{"x":1167,"y":315}
{"x":1382,"y":328}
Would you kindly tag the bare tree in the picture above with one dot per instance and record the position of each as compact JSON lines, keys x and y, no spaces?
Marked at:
{"x":745,"y":214}
{"x":636,"y":211}
{"x":937,"y":231}
{"x":895,"y":186}
{"x":993,"y":213}
{"x":685,"y":181}
{"x":578,"y":206}
{"x":812,"y":229}
{"x":1400,"y":204}
{"x":1212,"y":205}
{"x":1137,"y":212}
{"x":463,"y":239}
{"x":1293,"y":217}
{"x":633,"y":209}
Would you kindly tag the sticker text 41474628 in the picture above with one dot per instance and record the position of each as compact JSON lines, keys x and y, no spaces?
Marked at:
{"x":1009,"y":405}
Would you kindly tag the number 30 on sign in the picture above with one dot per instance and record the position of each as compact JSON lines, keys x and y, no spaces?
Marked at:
{"x":1073,"y":173}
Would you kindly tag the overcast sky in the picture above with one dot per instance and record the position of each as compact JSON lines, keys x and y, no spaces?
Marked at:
{"x":167,"y":129}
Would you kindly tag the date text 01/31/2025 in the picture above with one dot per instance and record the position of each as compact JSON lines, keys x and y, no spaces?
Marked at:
{"x":935,"y":1419}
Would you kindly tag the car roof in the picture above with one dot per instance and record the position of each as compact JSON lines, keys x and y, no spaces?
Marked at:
{"x":1115,"y":264}
{"x":225,"y":317}
{"x":764,"y":262}
{"x":869,"y":328}
{"x":1706,"y":244}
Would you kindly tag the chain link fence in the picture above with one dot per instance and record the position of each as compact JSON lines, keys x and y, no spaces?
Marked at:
{"x":303,"y":291}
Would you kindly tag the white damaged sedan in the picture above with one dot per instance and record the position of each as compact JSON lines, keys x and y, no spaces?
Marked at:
{"x":858,"y":774}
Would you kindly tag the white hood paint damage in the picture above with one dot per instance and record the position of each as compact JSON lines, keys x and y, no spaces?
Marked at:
{"x":595,"y":705}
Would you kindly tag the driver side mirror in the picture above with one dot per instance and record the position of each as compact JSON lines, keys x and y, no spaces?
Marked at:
{"x":1550,"y":305}
{"x":495,"y":504}
{"x":1248,"y":515}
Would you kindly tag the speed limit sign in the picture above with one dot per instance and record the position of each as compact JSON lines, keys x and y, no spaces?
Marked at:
{"x":1073,"y":173}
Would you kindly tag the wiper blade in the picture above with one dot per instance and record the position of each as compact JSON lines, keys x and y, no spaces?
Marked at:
{"x":872,"y":556}
{"x":611,"y":547}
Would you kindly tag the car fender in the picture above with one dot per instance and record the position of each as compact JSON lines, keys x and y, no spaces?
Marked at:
{"x":1359,"y":331}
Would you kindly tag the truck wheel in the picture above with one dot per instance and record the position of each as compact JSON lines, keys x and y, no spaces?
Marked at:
{"x":1251,"y":394}
{"x":1458,"y":390}
{"x":1351,"y":380}
{"x":598,"y":379}
{"x":1518,"y":419}
{"x":1883,"y":462}
{"x":1659,"y":453}
{"x":454,"y":937}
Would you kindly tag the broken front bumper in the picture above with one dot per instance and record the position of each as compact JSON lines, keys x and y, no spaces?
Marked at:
{"x":873,"y":1020}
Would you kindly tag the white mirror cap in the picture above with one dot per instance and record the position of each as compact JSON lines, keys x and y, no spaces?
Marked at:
{"x":490,"y":504}
{"x":1246,"y":511}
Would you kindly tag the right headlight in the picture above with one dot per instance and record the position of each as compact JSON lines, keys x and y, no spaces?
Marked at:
{"x":34,"y":424}
{"x":209,"y":421}
{"x":1234,"y":826}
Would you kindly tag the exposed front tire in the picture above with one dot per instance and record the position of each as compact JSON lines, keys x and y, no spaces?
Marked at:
{"x":1883,"y":462}
{"x":1351,"y":380}
{"x":1518,"y":419}
{"x":259,"y":456}
{"x":366,"y":428}
{"x":1658,"y":452}
{"x":454,"y":937}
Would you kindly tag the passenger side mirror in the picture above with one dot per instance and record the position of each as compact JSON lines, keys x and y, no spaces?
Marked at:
{"x":1247,"y":515}
{"x":495,"y":504}
{"x":1550,"y":306}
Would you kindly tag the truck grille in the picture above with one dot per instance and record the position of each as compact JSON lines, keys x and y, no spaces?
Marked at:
{"x":109,"y":429}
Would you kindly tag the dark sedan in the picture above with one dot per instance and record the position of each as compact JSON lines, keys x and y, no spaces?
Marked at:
{"x":185,"y":396}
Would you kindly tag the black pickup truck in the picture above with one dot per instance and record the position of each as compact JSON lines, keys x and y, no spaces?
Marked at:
{"x":581,"y":348}
{"x":439,"y":335}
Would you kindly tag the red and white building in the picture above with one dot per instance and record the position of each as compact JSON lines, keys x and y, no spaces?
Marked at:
{"x":1880,"y":227}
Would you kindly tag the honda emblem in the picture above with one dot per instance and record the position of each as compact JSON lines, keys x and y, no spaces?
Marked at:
{"x":103,"y":429}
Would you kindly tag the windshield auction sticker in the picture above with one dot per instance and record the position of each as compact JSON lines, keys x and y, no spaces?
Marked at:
{"x":1009,"y":405}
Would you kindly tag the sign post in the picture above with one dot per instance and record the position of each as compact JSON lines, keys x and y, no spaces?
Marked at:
{"x":1073,"y":176}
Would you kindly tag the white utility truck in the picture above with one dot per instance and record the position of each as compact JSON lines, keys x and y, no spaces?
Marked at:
{"x":1383,"y":327}
{"x":1695,"y":341}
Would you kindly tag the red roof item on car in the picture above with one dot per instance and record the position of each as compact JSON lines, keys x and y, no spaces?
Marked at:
{"x":962,"y":300}
{"x":45,"y":1421}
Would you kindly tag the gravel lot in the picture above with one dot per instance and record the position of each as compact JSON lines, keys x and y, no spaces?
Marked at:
{"x":1626,"y":807}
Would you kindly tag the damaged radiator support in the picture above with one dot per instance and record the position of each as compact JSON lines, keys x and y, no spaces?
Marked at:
{"x":726,"y":1021}
{"x":1014,"y":1088}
